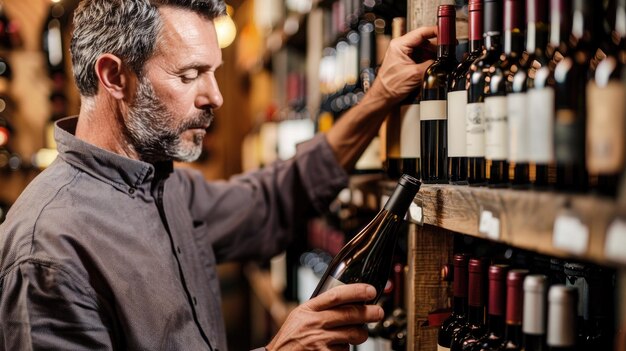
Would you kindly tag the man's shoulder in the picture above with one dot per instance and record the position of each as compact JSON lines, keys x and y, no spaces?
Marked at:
{"x":18,"y":231}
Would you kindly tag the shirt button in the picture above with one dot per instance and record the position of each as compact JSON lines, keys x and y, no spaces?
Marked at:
{"x":131,"y":191}
{"x":195,"y":301}
{"x":178,"y":249}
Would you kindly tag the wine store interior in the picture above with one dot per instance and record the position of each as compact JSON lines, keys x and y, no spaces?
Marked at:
{"x":488,"y":210}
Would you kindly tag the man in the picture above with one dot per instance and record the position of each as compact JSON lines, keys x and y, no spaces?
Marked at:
{"x":112,"y":248}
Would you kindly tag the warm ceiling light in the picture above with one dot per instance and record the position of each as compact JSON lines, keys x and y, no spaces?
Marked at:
{"x":225,"y":28}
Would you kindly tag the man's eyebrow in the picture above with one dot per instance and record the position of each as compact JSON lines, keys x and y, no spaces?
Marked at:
{"x":202,"y":66}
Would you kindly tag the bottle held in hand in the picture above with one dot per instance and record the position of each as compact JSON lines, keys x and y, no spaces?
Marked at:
{"x":367,"y":258}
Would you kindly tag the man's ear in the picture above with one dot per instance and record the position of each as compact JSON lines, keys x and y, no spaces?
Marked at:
{"x":112,"y":76}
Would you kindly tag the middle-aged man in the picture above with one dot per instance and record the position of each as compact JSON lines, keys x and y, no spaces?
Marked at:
{"x":111,"y":248}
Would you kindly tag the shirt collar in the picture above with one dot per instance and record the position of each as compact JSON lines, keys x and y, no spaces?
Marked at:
{"x":122,"y":172}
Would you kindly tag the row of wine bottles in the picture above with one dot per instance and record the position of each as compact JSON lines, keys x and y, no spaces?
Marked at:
{"x":534,"y":102}
{"x":568,"y":306}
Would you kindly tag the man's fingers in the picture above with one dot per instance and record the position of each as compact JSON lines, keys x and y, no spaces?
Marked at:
{"x":418,"y":36}
{"x":352,"y":314}
{"x":342,"y":295}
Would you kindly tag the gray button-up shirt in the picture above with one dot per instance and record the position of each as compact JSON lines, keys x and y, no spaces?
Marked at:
{"x":103,"y":252}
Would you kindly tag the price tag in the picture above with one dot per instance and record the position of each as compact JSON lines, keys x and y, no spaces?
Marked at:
{"x":570,"y":234}
{"x":493,"y":232}
{"x":485,"y":221}
{"x":415,"y":214}
{"x":615,"y":244}
{"x":489,"y":225}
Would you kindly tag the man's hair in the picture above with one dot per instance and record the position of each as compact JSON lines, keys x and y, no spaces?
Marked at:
{"x":128,"y":29}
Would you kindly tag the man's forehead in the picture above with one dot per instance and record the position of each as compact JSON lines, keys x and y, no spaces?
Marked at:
{"x":184,"y":30}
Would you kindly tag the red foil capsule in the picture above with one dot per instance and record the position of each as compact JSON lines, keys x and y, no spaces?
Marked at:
{"x":515,"y":296}
{"x":446,"y":23}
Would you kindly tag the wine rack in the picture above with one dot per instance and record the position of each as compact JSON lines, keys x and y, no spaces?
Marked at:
{"x":580,"y":227}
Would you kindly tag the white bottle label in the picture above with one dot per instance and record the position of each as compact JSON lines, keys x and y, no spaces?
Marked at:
{"x":410,"y":131}
{"x":496,"y":128}
{"x":606,"y":121}
{"x":371,"y":344}
{"x":540,"y":137}
{"x":433,"y":110}
{"x":330,"y":283}
{"x":441,"y":348}
{"x":475,"y":129}
{"x":370,"y":158}
{"x":518,"y":127}
{"x":384,"y":344}
{"x":457,"y":102}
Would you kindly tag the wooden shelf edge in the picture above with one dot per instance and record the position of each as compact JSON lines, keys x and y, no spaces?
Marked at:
{"x":272,"y":301}
{"x":526,"y":218}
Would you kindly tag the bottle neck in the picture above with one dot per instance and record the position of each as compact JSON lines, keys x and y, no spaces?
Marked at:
{"x":514,"y":333}
{"x":495,"y":324}
{"x":476,"y":315}
{"x":476,"y":46}
{"x":560,"y":22}
{"x":459,"y":306}
{"x":585,"y":27}
{"x":537,"y":38}
{"x":513,"y":42}
{"x":493,"y":42}
{"x":446,"y":32}
{"x":446,"y":51}
{"x":534,"y":342}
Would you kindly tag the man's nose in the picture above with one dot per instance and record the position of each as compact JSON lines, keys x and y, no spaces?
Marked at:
{"x":209,"y":95}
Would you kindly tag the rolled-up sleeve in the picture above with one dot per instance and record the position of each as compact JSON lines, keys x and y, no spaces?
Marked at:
{"x":43,"y":307}
{"x":254,"y":215}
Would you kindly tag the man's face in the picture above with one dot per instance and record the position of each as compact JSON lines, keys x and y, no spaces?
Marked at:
{"x":174,"y":100}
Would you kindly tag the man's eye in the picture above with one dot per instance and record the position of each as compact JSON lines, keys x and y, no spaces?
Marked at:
{"x":188,"y":77}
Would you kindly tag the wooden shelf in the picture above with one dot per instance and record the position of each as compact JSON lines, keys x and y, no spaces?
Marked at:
{"x":555,"y":224}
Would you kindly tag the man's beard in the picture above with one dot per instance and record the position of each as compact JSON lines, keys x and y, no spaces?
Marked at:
{"x":153,"y":132}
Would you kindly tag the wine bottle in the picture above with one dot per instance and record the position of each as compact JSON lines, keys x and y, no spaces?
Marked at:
{"x":479,"y":74}
{"x":410,"y":130}
{"x":598,"y":331}
{"x":533,"y":324}
{"x":496,"y":118}
{"x":514,"y":309}
{"x":562,"y":302}
{"x":494,"y":338}
{"x":457,"y":98}
{"x":367,"y":257}
{"x":571,"y":75}
{"x":394,"y":159}
{"x":433,"y":114}
{"x":10,"y":36}
{"x":541,"y":98}
{"x":459,"y":304}
{"x":517,"y":99}
{"x":52,"y":39}
{"x":394,"y":327}
{"x":474,"y":328}
{"x":607,"y":110}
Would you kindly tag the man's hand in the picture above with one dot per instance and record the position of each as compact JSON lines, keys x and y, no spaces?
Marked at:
{"x":399,"y":74}
{"x":330,"y":321}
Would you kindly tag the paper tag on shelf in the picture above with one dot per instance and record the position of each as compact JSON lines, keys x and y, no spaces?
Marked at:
{"x":485,"y":221}
{"x":489,"y":225}
{"x":414,"y":214}
{"x":570,"y":234}
{"x":615,"y":243}
{"x":493,"y":232}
